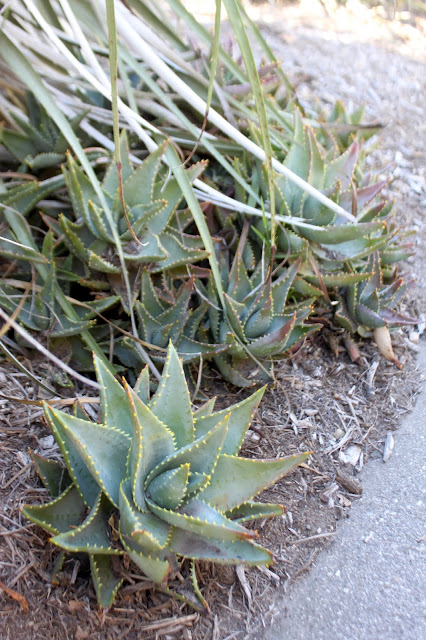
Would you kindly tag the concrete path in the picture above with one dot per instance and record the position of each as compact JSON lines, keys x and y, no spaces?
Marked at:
{"x":371,"y":583}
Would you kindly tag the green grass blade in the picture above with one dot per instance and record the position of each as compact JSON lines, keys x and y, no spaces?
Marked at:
{"x":192,"y":202}
{"x":214,"y":55}
{"x":186,"y":122}
{"x":191,"y":97}
{"x":240,"y":33}
{"x":267,"y":49}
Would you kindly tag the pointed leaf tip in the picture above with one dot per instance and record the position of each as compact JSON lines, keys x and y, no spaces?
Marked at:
{"x":114,"y":403}
{"x":172,"y":403}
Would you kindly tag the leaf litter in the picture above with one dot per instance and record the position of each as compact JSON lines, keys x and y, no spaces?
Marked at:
{"x":344,"y":412}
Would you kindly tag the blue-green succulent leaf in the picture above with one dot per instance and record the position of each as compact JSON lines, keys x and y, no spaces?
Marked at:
{"x":191,"y":545}
{"x":237,"y":480}
{"x":139,"y":187}
{"x":200,"y":518}
{"x":142,"y":527}
{"x":252,"y":510}
{"x":79,"y":472}
{"x":103,"y":449}
{"x":115,"y":408}
{"x":53,"y":474}
{"x":172,"y":404}
{"x":91,"y":536}
{"x":169,"y":488}
{"x":202,"y":454}
{"x":57,"y":516}
{"x":154,"y":567}
{"x":240,"y":417}
{"x":141,"y":387}
{"x":106,"y":583}
{"x":368,"y":317}
{"x":152,"y":442}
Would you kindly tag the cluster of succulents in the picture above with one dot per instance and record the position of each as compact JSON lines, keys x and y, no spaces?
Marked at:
{"x":173,"y":293}
{"x":148,"y":234}
{"x":155,"y":480}
{"x":347,"y":263}
{"x":115,"y":256}
{"x":369,"y":306}
{"x":37,"y":143}
{"x":257,"y":324}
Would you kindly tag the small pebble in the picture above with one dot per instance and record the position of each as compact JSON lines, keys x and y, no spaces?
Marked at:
{"x":414,"y":337}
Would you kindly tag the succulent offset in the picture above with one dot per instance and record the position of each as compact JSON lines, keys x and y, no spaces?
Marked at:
{"x":369,"y":305}
{"x":257,"y":324}
{"x":150,"y":235}
{"x":340,"y":259}
{"x":165,"y":313}
{"x":38,"y":143}
{"x":334,"y":241}
{"x":78,"y":249}
{"x":155,"y":480}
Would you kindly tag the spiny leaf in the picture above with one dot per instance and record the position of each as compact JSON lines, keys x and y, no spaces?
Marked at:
{"x":152,"y":443}
{"x":115,"y":408}
{"x":201,"y":455}
{"x":237,"y":480}
{"x":57,"y":516}
{"x":172,"y":404}
{"x":199,"y":517}
{"x":139,"y":187}
{"x":103,"y":449}
{"x":106,"y":583}
{"x":91,"y":536}
{"x":141,"y":387}
{"x":153,"y":567}
{"x":53,"y":474}
{"x":77,"y":467}
{"x":205,"y":410}
{"x":240,"y":417}
{"x":169,"y":488}
{"x":144,"y":528}
{"x":191,"y":545}
{"x":252,"y":510}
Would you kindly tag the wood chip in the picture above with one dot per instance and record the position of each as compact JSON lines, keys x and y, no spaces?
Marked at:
{"x":317,"y":536}
{"x":351,"y":454}
{"x":16,"y":596}
{"x":388,"y":448}
{"x":348,"y":482}
{"x":244,"y":583}
{"x":168,"y":622}
{"x":273,"y":576}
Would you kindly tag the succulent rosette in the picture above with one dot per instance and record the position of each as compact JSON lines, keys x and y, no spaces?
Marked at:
{"x":155,"y":480}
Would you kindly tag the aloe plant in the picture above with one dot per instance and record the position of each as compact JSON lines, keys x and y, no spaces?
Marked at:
{"x":39,"y":283}
{"x":148,"y":234}
{"x":168,"y":310}
{"x":341,"y":127}
{"x":257,"y":324}
{"x":36,"y":142}
{"x":332,"y":240}
{"x":369,"y":306}
{"x":300,"y":170}
{"x":155,"y":480}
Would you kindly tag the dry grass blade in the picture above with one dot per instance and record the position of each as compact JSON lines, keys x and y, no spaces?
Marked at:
{"x":61,"y":365}
{"x":5,"y":328}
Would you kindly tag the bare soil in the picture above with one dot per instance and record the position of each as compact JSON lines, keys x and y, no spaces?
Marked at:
{"x":340,"y":410}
